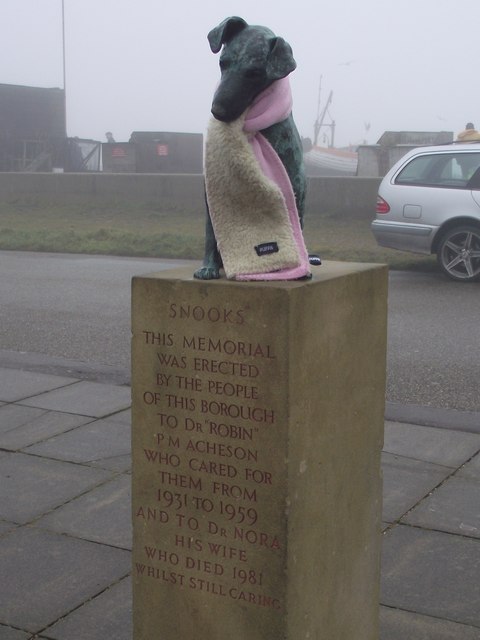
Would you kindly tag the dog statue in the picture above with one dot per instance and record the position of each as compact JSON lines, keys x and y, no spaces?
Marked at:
{"x":253,"y":60}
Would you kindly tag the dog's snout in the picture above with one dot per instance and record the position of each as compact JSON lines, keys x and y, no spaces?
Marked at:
{"x":219,"y":112}
{"x":231,"y":99}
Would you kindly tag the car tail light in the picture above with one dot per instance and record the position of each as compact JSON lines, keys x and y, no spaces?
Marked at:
{"x":382,"y":205}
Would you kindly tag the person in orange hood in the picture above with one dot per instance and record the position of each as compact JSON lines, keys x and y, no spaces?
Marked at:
{"x":469,"y":134}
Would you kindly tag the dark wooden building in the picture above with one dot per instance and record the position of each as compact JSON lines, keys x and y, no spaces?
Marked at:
{"x":32,"y":128}
{"x":155,"y":152}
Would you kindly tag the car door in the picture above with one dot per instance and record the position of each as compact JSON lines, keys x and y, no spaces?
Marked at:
{"x":436,"y":187}
{"x":474,"y":185}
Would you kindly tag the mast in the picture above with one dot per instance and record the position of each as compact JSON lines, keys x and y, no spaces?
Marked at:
{"x":320,"y":118}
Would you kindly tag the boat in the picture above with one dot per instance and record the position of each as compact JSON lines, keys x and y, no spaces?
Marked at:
{"x":328,"y":161}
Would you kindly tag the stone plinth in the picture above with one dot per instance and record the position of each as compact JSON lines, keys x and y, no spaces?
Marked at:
{"x":257,"y":430}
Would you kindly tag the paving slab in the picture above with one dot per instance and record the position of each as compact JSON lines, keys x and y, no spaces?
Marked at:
{"x":95,"y":441}
{"x":122,"y":416}
{"x":31,"y":486}
{"x":440,"y":446}
{"x":49,"y":575}
{"x":22,"y":426}
{"x":432,"y":573}
{"x":7,"y":633}
{"x":453,"y":507}
{"x":13,"y":416}
{"x":471,"y":469}
{"x":115,"y":463}
{"x":404,"y":625}
{"x":406,"y":481}
{"x":16,"y":385}
{"x":106,"y":617}
{"x":101,"y":515}
{"x":84,"y":398}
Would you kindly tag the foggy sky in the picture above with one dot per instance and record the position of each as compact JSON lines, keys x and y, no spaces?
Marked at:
{"x":145,"y":65}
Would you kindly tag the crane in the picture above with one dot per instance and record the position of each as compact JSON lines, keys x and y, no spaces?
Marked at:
{"x":321,"y":117}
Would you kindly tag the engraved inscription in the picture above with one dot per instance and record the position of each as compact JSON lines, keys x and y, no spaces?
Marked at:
{"x":209,"y":410}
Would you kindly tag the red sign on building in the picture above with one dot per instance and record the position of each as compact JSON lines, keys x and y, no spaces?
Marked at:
{"x":162,"y":149}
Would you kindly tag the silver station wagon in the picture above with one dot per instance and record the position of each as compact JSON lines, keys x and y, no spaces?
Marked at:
{"x":429,"y":202}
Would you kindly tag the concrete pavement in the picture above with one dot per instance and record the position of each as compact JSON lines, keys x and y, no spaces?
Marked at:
{"x":65,"y":533}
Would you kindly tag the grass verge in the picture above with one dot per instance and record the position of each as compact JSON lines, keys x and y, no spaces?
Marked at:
{"x":144,"y":229}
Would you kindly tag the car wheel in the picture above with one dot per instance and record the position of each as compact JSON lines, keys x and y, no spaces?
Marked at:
{"x":459,"y":253}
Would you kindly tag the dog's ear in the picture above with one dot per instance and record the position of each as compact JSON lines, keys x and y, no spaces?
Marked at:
{"x":225,"y":32}
{"x":280,"y":60}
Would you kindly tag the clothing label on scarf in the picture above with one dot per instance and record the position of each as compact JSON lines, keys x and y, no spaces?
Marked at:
{"x":266,"y":248}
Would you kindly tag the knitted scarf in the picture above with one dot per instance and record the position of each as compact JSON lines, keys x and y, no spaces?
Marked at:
{"x":250,"y":197}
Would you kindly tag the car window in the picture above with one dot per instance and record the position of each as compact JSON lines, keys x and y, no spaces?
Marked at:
{"x":474,"y":182}
{"x":442,"y":170}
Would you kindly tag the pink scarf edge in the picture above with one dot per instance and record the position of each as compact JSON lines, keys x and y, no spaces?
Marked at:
{"x":270,"y":107}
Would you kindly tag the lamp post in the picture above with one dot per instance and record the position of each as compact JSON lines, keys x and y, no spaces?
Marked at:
{"x":64,"y":70}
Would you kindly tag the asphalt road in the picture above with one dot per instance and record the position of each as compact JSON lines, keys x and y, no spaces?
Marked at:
{"x":78,"y":307}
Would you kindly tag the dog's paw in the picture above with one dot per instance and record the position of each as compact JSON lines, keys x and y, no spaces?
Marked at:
{"x":207,"y":273}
